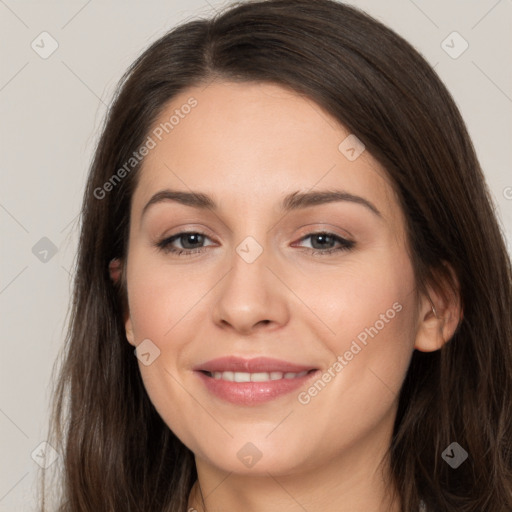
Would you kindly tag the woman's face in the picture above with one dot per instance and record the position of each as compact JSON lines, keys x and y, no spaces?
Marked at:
{"x":297,"y":254}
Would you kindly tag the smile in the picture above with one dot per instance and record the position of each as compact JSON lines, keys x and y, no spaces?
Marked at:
{"x":255,"y":377}
{"x":252,"y":381}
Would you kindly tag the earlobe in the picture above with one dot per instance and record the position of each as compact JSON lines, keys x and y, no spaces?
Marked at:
{"x":439,"y":318}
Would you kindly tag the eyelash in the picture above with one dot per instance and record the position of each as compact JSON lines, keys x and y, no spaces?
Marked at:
{"x":165,"y":244}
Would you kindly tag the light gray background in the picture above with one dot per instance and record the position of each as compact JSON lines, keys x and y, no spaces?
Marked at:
{"x":51,"y":110}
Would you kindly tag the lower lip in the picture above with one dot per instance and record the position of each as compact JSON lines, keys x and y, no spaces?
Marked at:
{"x":253,"y":393}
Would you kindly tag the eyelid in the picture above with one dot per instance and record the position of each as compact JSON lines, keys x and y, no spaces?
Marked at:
{"x":324,"y":232}
{"x":325,"y":227}
{"x":165,"y":241}
{"x":186,"y":228}
{"x":342,"y":242}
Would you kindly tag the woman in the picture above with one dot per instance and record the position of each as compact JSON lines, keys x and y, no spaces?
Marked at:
{"x":286,"y":222}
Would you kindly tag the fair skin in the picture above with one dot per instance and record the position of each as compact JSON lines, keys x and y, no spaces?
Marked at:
{"x":247,"y":145}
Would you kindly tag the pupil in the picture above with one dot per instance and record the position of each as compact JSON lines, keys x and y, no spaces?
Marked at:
{"x":321,"y":237}
{"x":186,"y":238}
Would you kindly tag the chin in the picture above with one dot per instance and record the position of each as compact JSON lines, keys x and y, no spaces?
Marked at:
{"x":257,"y":458}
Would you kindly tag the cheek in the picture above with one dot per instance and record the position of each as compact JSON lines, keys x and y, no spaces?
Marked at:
{"x":373,"y":318}
{"x":372,"y":315}
{"x":165,"y":307}
{"x":161,"y":297}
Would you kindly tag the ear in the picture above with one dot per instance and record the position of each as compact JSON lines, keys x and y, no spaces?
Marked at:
{"x":128,"y":327}
{"x":439,"y":314}
{"x":115,"y":269}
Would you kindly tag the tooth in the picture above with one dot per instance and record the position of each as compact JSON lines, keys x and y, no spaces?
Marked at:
{"x":256,"y":377}
{"x":260,"y":377}
{"x":242,"y":377}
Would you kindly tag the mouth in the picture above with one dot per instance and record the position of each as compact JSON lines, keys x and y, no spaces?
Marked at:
{"x":252,"y":381}
{"x":256,"y":376}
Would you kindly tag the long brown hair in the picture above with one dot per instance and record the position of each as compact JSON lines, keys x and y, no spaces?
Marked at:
{"x":117,"y":453}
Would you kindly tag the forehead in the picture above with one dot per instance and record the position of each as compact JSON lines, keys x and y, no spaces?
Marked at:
{"x":250,"y":144}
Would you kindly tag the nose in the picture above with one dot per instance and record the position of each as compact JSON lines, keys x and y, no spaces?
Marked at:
{"x":251,"y":297}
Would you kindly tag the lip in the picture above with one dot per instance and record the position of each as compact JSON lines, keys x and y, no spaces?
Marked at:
{"x":252,"y":393}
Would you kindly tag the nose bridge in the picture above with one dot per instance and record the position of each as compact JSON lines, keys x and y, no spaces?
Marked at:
{"x":251,"y":247}
{"x":247,"y":295}
{"x":247,"y":278}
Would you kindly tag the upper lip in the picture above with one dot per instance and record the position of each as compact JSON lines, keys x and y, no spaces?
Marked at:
{"x":253,"y":365}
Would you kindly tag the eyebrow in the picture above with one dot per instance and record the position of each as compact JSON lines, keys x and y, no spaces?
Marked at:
{"x":293,"y":201}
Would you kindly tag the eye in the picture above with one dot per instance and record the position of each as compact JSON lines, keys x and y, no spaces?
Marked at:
{"x":192,"y":242}
{"x":189,"y":241}
{"x":322,"y":243}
